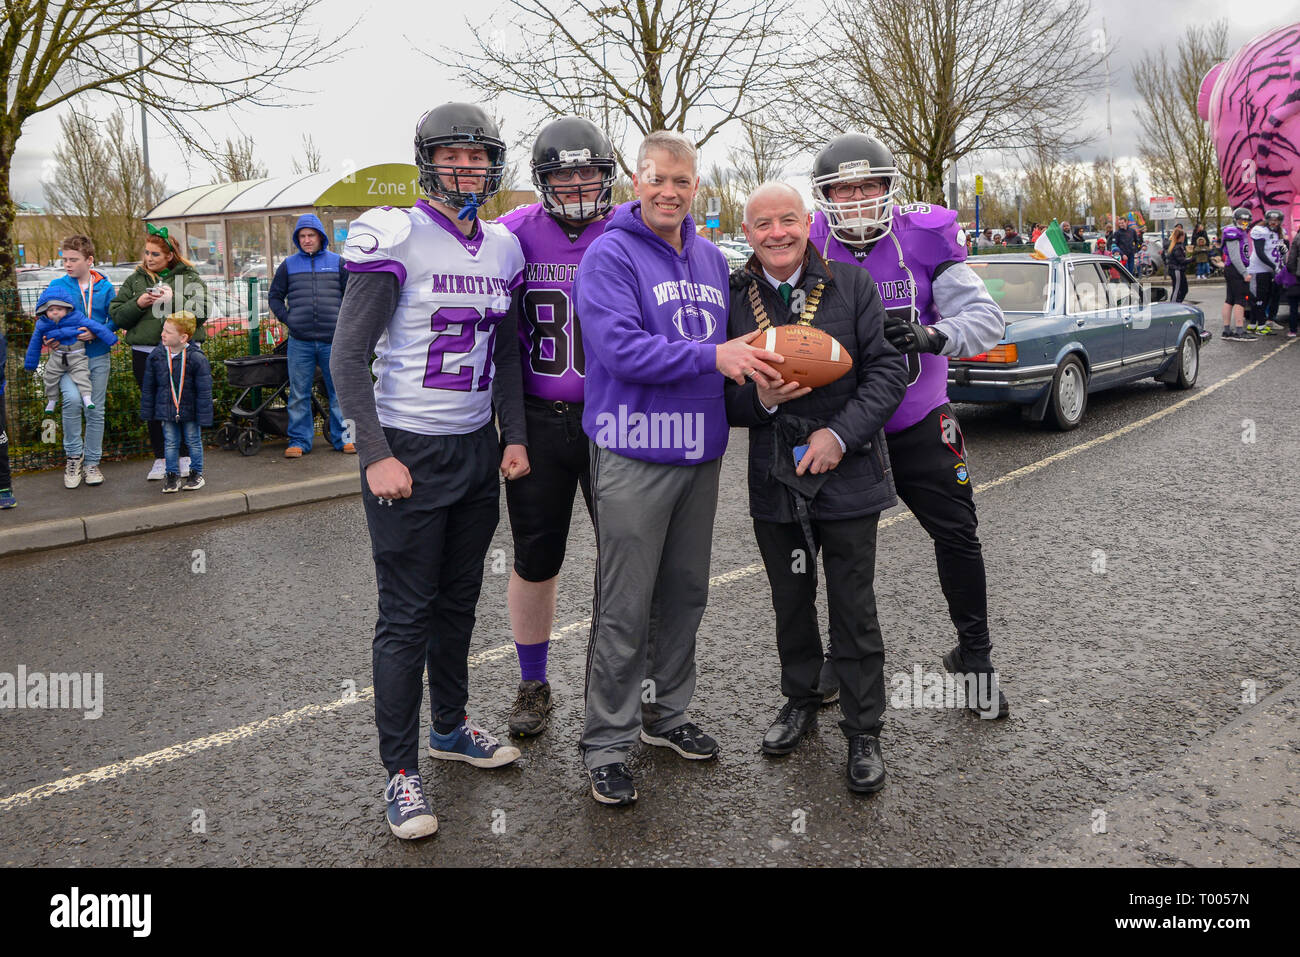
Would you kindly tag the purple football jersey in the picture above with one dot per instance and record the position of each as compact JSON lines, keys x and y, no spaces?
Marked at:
{"x":550,"y":339}
{"x":927,"y":236}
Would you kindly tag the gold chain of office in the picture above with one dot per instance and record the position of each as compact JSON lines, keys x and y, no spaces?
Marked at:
{"x":805,"y":318}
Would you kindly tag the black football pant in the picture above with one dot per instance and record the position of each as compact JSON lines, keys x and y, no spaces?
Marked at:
{"x":933,"y":480}
{"x":5,"y":478}
{"x":1260,"y":298}
{"x":848,"y":549}
{"x":429,"y":551}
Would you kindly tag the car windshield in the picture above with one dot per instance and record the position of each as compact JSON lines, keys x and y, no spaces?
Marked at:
{"x":1014,"y":286}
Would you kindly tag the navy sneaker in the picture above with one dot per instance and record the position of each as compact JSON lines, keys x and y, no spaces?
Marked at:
{"x":409,"y":815}
{"x":468,"y":742}
{"x":613,"y":784}
{"x":7,"y":499}
{"x":687,"y":740}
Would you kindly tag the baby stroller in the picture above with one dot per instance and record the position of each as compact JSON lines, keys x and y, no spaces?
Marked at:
{"x":248,"y":426}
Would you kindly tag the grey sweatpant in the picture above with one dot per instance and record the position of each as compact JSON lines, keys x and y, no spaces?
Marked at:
{"x":67,"y":360}
{"x":654,"y":532}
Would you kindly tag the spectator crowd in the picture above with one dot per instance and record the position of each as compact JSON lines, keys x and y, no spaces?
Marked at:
{"x":160,"y":311}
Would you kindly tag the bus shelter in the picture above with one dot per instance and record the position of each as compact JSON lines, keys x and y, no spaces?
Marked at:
{"x":243,"y":230}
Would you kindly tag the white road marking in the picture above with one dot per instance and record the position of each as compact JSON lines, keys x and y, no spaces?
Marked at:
{"x":154,"y":758}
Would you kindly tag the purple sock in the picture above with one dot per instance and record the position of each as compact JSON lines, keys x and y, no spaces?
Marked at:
{"x":532,"y":661}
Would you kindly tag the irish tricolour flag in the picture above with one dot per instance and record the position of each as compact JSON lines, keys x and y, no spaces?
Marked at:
{"x":1051,"y":242}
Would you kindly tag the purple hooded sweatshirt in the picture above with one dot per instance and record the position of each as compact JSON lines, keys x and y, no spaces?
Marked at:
{"x":652,"y":319}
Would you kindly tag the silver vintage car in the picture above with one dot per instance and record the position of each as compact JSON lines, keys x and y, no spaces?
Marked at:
{"x":1075,"y":325}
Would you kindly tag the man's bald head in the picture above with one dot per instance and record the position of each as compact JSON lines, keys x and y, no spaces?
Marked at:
{"x":776,"y":225}
{"x":773,"y":192}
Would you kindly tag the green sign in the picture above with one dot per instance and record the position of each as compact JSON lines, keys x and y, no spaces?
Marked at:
{"x":388,"y":184}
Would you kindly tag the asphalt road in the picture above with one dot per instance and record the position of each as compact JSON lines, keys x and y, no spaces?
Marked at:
{"x":1114,"y":676}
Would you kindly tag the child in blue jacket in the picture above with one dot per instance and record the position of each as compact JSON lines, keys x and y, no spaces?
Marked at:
{"x":61,"y":321}
{"x":177,"y":391}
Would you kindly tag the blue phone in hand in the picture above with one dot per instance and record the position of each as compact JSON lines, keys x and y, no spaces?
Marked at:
{"x":799,"y":452}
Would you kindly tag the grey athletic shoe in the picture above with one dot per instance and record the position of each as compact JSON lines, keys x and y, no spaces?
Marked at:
{"x":94,"y":476}
{"x":72,"y":472}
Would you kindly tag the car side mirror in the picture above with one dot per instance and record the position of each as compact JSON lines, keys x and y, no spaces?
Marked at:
{"x":1159,"y":293}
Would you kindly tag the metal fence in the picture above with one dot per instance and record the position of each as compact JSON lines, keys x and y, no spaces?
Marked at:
{"x":238,"y":324}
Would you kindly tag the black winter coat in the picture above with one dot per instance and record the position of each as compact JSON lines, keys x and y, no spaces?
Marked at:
{"x":855,"y":406}
{"x":196,"y":394}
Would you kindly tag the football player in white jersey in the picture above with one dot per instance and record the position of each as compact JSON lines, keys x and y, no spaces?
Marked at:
{"x":430,"y":296}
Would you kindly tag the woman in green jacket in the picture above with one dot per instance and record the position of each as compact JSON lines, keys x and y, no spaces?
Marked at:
{"x":163,"y":283}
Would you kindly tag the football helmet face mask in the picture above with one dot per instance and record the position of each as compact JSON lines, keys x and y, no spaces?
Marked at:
{"x":575,"y":150}
{"x":1241,"y":217}
{"x":463,"y":125}
{"x":851,"y":159}
{"x":1273,"y":220}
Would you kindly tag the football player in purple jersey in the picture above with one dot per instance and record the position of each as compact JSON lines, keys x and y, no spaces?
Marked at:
{"x":573,"y":171}
{"x":1235,"y":243}
{"x":936,"y":307}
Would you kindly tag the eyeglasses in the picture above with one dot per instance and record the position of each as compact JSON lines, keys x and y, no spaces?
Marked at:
{"x":584,"y":174}
{"x":843,"y":192}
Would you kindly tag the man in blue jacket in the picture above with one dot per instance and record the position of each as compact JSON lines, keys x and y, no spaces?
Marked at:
{"x":653,"y":299}
{"x":313,"y":280}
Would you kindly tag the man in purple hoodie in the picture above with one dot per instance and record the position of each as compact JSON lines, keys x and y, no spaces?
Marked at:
{"x":653,"y":298}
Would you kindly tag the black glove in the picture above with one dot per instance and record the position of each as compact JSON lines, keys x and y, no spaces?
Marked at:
{"x":912,"y":336}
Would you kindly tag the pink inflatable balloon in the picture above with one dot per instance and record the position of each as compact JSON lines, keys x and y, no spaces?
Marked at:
{"x":1253,"y":104}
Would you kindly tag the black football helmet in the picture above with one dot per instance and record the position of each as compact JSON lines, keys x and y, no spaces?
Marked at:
{"x":1241,"y":216}
{"x":572,"y":142}
{"x":1273,"y":220}
{"x":848,"y":158}
{"x":458,"y":124}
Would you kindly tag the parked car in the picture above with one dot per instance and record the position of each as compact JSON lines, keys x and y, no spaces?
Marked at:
{"x":1075,"y":325}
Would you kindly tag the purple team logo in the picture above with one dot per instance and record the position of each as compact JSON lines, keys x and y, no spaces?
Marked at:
{"x":364,"y":243}
{"x":694,"y":323}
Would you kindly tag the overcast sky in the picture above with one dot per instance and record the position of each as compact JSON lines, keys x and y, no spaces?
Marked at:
{"x":365,"y":107}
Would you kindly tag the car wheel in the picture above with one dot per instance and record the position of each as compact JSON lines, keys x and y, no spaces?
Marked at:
{"x":1069,"y":396}
{"x":1189,"y":363}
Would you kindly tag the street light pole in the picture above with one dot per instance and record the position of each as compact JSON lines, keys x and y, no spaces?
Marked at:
{"x":1110,"y":133}
{"x":144,"y":117}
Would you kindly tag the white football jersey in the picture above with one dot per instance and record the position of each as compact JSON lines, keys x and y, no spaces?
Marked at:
{"x":433,"y":363}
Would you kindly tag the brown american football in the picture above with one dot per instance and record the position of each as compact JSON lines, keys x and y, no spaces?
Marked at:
{"x":812,"y":357}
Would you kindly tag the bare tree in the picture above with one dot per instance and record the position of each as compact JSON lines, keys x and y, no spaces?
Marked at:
{"x":308,"y":159}
{"x":1053,"y":184}
{"x":720,"y":183}
{"x":687,"y":65}
{"x":237,"y":162}
{"x":177,"y":58}
{"x":1176,"y":148}
{"x":78,"y":193}
{"x":761,"y":156}
{"x":939,"y":79}
{"x":98,"y":186}
{"x":131,"y":193}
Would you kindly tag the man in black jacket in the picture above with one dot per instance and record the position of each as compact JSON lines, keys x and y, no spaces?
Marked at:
{"x":818,"y":474}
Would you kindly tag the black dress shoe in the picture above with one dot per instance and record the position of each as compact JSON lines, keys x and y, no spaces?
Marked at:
{"x":953,"y":664}
{"x":866,"y":764}
{"x":789,"y":728}
{"x":828,"y":684}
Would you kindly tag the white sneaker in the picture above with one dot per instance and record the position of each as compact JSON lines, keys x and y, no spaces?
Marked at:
{"x":94,"y":476}
{"x":158,"y":471}
{"x":72,"y":473}
{"x":185,"y":466}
